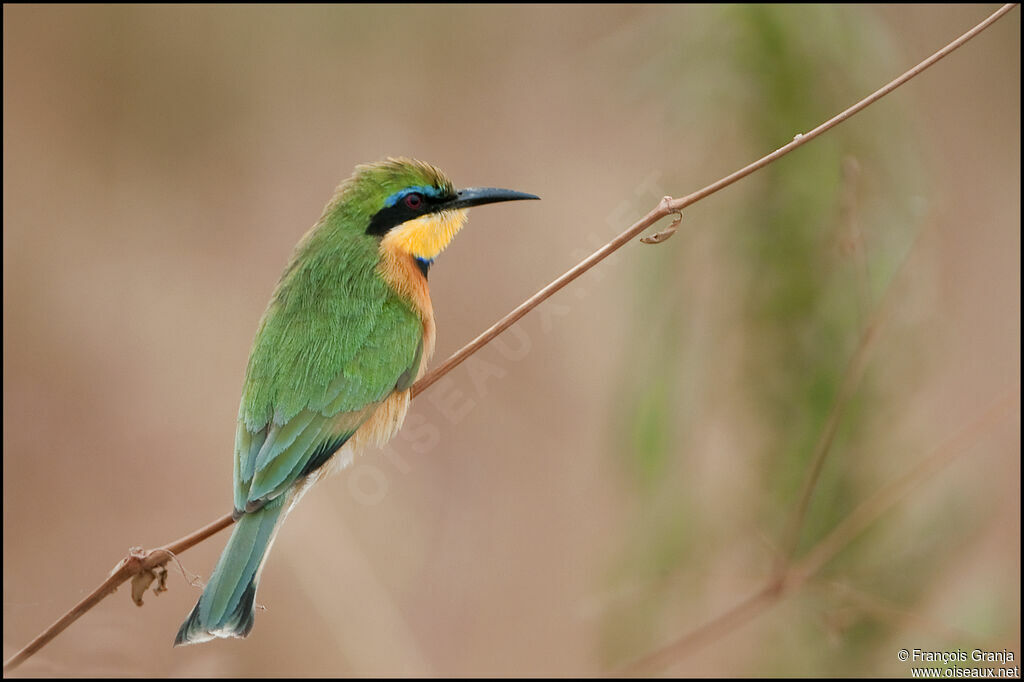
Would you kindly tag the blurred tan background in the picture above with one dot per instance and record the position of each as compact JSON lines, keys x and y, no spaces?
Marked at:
{"x":619,"y":468}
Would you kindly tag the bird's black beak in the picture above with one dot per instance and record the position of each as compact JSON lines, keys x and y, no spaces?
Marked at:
{"x":476,"y":196}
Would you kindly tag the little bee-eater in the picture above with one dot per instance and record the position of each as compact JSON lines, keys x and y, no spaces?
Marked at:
{"x":348,"y":330}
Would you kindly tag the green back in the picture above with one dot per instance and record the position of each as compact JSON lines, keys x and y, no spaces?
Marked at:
{"x":334,"y":341}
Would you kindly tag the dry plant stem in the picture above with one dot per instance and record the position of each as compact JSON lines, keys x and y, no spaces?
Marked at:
{"x":884,"y":610}
{"x":136,"y":563}
{"x":718,"y":627}
{"x":847,"y":388}
{"x":668,"y":205}
{"x":783,"y":584}
{"x":128,"y":567}
{"x":852,"y":376}
{"x":850,"y":382}
{"x":162,"y":555}
{"x":876,"y":505}
{"x":663,"y":209}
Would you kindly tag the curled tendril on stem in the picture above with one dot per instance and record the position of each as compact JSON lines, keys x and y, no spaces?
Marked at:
{"x":663,"y":235}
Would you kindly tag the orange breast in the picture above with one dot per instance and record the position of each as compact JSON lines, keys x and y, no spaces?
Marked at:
{"x":399,"y":269}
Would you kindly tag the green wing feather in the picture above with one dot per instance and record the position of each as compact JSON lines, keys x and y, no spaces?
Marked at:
{"x":334,"y":342}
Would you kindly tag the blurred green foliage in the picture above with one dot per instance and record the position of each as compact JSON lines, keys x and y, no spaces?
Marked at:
{"x":811,"y":258}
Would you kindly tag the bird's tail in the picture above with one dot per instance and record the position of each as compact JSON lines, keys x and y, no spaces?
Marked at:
{"x":225,"y":608}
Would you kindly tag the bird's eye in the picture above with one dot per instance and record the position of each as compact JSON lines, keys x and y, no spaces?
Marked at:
{"x":414,"y":201}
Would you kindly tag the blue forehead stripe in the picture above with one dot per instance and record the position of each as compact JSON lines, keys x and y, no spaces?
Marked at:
{"x":428,"y":190}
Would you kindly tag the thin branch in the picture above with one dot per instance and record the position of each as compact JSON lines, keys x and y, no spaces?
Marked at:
{"x":868,"y":511}
{"x":660,"y":211}
{"x":847,"y":389}
{"x":668,"y":205}
{"x":162,"y":555}
{"x":884,"y":609}
{"x":851,"y":378}
{"x":800,"y":139}
{"x":128,"y":567}
{"x":718,"y":627}
{"x":856,"y":522}
{"x":139,"y":562}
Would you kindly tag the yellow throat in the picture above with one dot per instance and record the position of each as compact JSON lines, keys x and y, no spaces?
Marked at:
{"x":427,"y":236}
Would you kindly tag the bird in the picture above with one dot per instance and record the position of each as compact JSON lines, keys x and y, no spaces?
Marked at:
{"x":348,"y":330}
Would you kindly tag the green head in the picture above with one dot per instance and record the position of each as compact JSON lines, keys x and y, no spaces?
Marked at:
{"x":410,"y":204}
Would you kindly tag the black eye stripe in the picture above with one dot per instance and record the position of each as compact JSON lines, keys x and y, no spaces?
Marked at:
{"x":390,"y":216}
{"x":386,"y":218}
